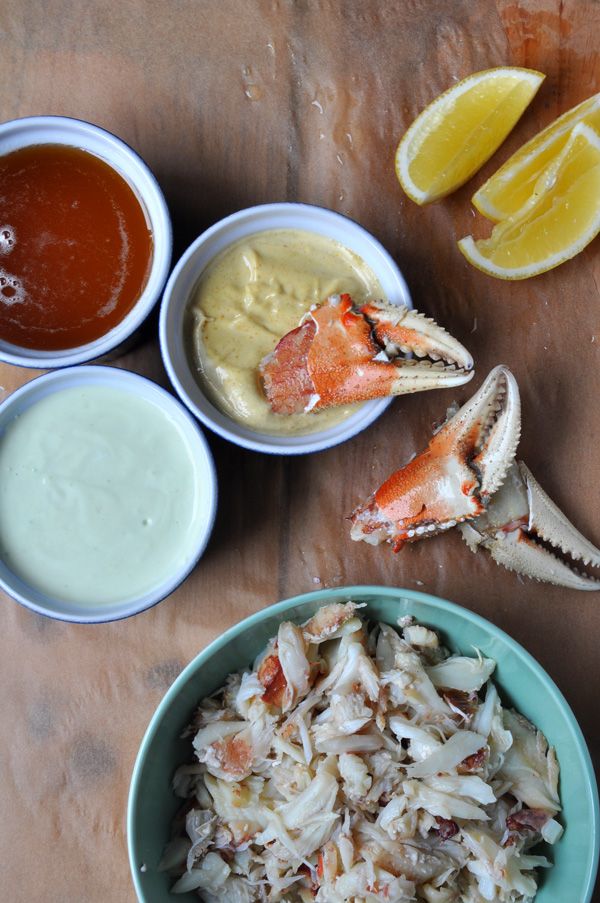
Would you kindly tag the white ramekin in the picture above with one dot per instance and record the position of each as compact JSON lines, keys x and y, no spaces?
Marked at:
{"x":34,"y":130}
{"x":205,"y":481}
{"x":180,"y":288}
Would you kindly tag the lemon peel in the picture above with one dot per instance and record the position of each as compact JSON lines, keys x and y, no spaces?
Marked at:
{"x":459,"y":131}
{"x":504,"y":193}
{"x":559,"y":219}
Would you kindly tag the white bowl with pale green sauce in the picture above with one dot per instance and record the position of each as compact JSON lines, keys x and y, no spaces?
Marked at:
{"x":241,"y":286}
{"x":107,"y":494}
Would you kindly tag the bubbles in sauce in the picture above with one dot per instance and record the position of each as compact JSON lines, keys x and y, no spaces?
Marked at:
{"x":11,"y":290}
{"x":75,"y":247}
{"x":7,"y":239}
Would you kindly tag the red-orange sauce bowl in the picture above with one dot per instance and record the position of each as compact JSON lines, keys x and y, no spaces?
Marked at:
{"x":85,"y":242}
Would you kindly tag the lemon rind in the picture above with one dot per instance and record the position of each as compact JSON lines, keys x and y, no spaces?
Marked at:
{"x":418,"y":195}
{"x":469,"y":247}
{"x":509,"y":170}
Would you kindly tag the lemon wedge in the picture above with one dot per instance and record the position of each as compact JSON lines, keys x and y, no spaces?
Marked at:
{"x":511,"y":185}
{"x":559,"y":219}
{"x":455,"y":135}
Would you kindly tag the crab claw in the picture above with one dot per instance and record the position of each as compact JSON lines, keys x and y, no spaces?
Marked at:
{"x":519,"y":513}
{"x":453,"y":479}
{"x":342,"y":354}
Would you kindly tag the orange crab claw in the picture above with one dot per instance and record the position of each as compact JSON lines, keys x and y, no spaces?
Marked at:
{"x":342,"y":354}
{"x":451,"y":481}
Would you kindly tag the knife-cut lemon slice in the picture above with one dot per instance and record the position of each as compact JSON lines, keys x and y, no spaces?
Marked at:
{"x":560,"y":218}
{"x":455,"y":135}
{"x":511,"y":185}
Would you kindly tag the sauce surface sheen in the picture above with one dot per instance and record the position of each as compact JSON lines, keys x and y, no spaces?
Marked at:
{"x":98,"y":495}
{"x":247,"y":298}
{"x":75,"y":247}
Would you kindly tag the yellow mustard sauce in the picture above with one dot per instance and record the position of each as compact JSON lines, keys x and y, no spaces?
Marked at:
{"x":247,"y":298}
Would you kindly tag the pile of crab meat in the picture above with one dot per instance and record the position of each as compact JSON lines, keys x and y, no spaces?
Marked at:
{"x":359,"y":762}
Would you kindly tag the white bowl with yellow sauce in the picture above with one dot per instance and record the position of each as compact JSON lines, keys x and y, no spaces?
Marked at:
{"x":107,"y":494}
{"x":242,"y":285}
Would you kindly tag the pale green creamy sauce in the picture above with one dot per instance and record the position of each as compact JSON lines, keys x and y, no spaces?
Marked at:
{"x":98,"y":493}
{"x":248,"y":298}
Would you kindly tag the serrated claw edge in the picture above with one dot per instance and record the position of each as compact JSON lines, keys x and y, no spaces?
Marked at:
{"x":519,"y":513}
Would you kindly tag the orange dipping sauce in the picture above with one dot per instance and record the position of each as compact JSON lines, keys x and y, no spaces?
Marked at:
{"x":75,"y":247}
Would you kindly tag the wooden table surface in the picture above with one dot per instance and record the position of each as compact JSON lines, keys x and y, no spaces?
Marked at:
{"x":241,"y":102}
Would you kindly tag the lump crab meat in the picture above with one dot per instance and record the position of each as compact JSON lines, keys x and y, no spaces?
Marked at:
{"x":342,"y":353}
{"x":372,"y":787}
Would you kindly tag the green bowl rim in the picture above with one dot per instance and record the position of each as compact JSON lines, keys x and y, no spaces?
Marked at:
{"x":279,"y":608}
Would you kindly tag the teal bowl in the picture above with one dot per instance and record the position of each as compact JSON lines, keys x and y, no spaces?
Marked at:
{"x":522,"y":683}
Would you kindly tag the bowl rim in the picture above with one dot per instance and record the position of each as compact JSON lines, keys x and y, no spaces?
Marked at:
{"x":186,"y":273}
{"x":150,"y":196}
{"x":279,"y":610}
{"x":53,"y":381}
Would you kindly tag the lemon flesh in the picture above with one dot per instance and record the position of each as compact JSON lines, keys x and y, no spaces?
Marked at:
{"x":559,"y":219}
{"x":455,"y":135}
{"x":509,"y":187}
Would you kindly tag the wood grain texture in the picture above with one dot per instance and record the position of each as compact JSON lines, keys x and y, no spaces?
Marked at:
{"x":242,"y":102}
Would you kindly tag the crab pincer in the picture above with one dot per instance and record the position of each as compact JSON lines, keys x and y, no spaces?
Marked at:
{"x":451,"y":480}
{"x":468,"y":477}
{"x":342,"y":353}
{"x":524,"y":530}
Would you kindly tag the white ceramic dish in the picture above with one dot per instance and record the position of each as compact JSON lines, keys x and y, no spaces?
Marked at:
{"x":34,"y":130}
{"x":183,"y":430}
{"x":183,"y":280}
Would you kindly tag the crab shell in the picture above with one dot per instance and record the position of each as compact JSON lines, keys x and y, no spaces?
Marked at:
{"x":452,"y":480}
{"x":341,"y":354}
{"x":517,"y":515}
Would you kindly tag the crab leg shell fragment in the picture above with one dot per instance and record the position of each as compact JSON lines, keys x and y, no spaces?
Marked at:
{"x":517,"y":518}
{"x":341,"y":354}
